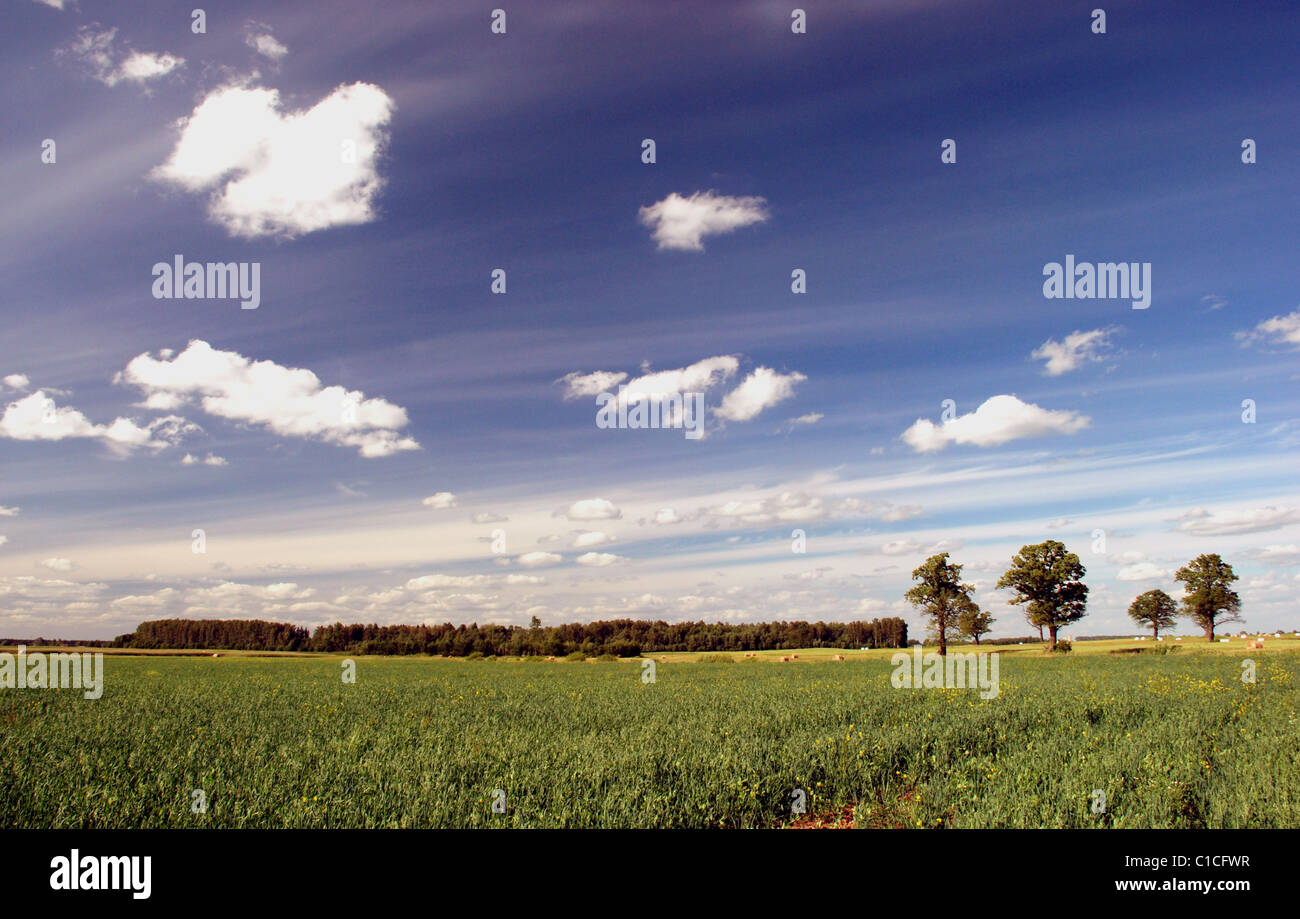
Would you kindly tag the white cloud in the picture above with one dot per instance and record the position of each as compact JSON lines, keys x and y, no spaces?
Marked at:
{"x":998,"y":420}
{"x":697,"y":377}
{"x":590,"y":538}
{"x":666,"y":516}
{"x":439,"y":501}
{"x":258,"y":37}
{"x":55,"y":4}
{"x":1077,"y":349}
{"x":530,"y":580}
{"x":912,"y":547}
{"x":1059,"y":522}
{"x":37,"y":417}
{"x":901,"y":547}
{"x":17,"y":381}
{"x":189,"y":459}
{"x":57,"y":564}
{"x":599,"y":559}
{"x":538,"y":559}
{"x":591,"y":509}
{"x":682,"y":223}
{"x":810,"y":418}
{"x":1143,"y":571}
{"x":488,"y":517}
{"x":141,"y":66}
{"x":94,"y":48}
{"x":9,"y":511}
{"x":1280,"y":330}
{"x":438,"y":581}
{"x":1279,"y":555}
{"x":895,"y":512}
{"x":283,"y":174}
{"x":786,"y":507}
{"x":1201,"y":522}
{"x":761,"y":389}
{"x":579,"y":384}
{"x":288,"y":400}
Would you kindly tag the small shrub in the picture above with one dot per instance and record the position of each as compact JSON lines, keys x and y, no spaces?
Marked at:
{"x":474,"y":656}
{"x":575,"y":656}
{"x":1062,"y":647}
{"x":716,"y":659}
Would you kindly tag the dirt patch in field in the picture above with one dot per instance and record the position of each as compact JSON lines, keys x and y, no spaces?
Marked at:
{"x":833,"y":820}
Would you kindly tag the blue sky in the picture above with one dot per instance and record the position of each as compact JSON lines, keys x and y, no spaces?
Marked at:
{"x":470,"y":483}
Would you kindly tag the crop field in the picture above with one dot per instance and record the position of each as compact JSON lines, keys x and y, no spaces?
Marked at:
{"x":1082,"y":740}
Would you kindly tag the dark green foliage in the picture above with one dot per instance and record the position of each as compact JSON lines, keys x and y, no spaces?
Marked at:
{"x":1154,"y":609}
{"x":1210,"y":599}
{"x":1047,"y":579}
{"x":620,"y":637}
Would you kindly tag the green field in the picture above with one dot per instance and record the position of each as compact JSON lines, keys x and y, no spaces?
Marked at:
{"x":1173,"y":740}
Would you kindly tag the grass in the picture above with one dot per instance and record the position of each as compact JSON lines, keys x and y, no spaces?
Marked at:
{"x":1172,"y":740}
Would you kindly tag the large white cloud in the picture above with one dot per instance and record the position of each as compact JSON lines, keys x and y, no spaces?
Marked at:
{"x":1077,"y":349}
{"x":288,"y":400}
{"x":998,"y":420}
{"x":283,"y":174}
{"x":682,"y":223}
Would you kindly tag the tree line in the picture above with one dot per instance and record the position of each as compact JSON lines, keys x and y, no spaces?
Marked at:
{"x":1047,"y":581}
{"x":620,"y":637}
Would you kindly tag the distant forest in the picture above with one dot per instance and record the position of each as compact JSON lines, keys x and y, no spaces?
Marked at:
{"x":620,"y":637}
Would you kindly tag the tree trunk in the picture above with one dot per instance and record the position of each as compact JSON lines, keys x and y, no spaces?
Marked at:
{"x":1040,"y":633}
{"x":943,"y":643}
{"x":1052,"y":630}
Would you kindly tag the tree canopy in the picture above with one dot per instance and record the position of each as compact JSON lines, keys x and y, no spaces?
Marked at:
{"x":1210,"y":599}
{"x":1047,"y":579}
